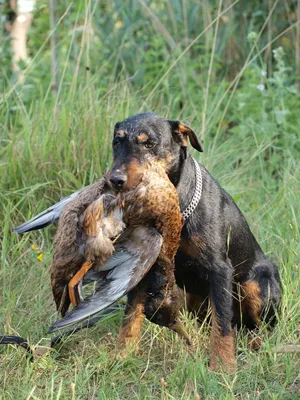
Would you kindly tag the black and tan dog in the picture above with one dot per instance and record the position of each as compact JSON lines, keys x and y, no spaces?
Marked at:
{"x":218,"y":254}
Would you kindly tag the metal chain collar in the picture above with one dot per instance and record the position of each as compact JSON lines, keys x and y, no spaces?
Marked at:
{"x":197,"y":194}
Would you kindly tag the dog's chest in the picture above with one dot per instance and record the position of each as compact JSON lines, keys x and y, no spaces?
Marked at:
{"x":190,"y":267}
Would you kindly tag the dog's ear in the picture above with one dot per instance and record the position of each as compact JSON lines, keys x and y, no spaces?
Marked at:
{"x":182,"y":132}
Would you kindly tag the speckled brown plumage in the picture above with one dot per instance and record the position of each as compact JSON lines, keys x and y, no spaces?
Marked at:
{"x":67,"y":258}
{"x":148,"y":199}
{"x":157,"y":295}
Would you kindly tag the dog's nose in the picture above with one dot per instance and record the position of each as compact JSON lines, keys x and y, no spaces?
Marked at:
{"x":118,"y":179}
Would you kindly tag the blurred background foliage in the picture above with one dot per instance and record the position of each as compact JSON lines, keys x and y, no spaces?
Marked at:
{"x":108,"y":41}
{"x":231,"y":73}
{"x":140,"y":37}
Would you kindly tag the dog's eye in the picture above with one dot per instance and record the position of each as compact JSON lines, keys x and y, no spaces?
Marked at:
{"x":148,"y":145}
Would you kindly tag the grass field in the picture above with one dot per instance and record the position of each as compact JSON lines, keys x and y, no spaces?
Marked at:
{"x":54,"y":143}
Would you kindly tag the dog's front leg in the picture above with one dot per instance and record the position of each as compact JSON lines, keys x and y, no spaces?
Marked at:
{"x":222,"y":342}
{"x":133,"y":319}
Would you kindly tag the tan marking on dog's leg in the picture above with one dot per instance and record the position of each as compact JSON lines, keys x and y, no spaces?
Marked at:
{"x":222,"y":347}
{"x":132,"y":323}
{"x":76,"y":279}
{"x":251,"y":301}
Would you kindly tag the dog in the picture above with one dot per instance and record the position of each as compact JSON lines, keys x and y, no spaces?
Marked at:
{"x":218,"y":254}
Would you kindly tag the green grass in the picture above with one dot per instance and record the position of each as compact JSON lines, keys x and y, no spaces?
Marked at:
{"x":51,"y":145}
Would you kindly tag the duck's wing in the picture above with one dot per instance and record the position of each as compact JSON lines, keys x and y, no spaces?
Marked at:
{"x":135,"y":254}
{"x":80,"y":200}
{"x":46,"y":217}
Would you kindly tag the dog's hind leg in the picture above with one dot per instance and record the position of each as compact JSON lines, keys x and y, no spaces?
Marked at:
{"x":222,"y":341}
{"x":251,"y":303}
{"x":262,"y":293}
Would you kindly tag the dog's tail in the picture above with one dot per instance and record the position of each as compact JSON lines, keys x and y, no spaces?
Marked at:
{"x":46,"y":217}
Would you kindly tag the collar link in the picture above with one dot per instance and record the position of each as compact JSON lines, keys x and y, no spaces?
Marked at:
{"x":197,"y":194}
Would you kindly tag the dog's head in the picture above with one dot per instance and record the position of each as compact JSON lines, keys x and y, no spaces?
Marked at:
{"x":145,"y":138}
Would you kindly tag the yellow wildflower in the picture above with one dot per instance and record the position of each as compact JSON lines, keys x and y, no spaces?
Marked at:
{"x":34,"y":248}
{"x":40,"y":257}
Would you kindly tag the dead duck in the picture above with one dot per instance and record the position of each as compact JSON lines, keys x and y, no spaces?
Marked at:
{"x":146,"y":221}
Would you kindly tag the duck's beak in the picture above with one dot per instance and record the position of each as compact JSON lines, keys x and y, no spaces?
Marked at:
{"x":181,"y":331}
